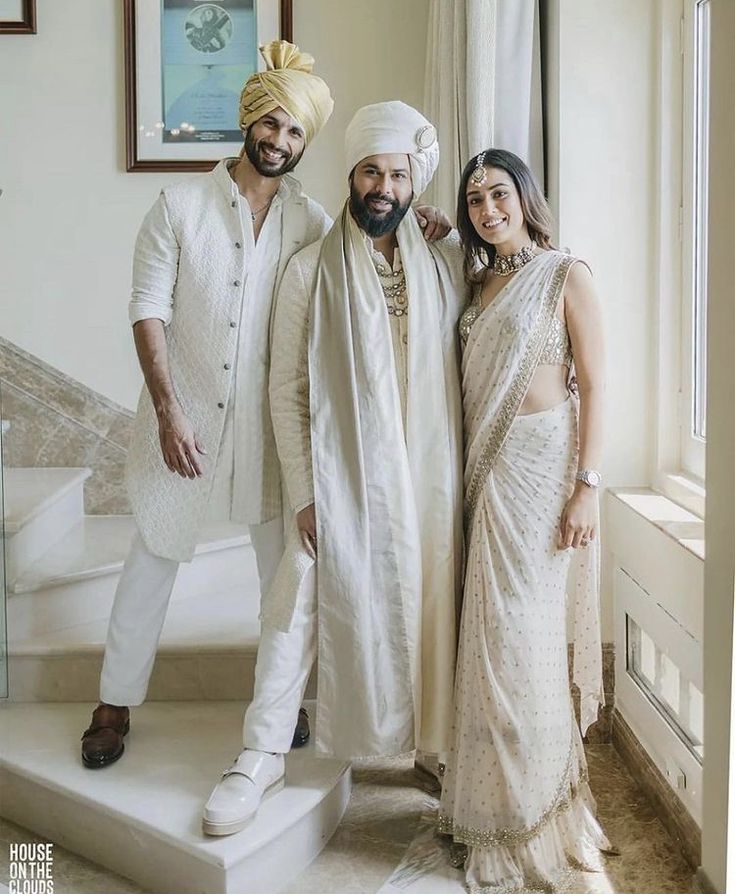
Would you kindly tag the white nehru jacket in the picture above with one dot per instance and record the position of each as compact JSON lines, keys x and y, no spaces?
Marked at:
{"x":196,"y":270}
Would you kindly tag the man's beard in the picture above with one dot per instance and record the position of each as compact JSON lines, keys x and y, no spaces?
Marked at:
{"x":376,"y":225}
{"x":266,"y":168}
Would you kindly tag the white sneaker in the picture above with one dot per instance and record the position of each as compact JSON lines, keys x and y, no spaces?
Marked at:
{"x":237,"y":796}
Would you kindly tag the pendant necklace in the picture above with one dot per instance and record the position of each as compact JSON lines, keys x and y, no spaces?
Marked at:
{"x":254,"y":214}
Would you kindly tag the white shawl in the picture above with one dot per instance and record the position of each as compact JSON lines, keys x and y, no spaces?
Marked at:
{"x":388,"y":504}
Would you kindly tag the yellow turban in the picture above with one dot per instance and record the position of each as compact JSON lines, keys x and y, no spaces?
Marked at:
{"x":288,"y":83}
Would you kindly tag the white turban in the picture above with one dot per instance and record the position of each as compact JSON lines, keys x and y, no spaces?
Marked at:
{"x":388,"y":128}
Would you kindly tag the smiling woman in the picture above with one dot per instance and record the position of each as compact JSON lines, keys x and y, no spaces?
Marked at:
{"x":515,"y":789}
{"x":491,"y":210}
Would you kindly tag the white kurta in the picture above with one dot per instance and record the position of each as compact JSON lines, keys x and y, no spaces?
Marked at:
{"x":197,"y":269}
{"x":390,"y":275}
{"x":233,"y":496}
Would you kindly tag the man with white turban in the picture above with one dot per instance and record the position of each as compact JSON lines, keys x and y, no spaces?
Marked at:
{"x":366,"y":406}
{"x":208,"y":259}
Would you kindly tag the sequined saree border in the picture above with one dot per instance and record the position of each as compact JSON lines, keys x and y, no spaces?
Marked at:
{"x":564,"y":797}
{"x":514,"y":397}
{"x":564,"y":883}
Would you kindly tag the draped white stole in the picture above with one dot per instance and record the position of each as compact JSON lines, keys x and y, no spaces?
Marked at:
{"x":386,"y":502}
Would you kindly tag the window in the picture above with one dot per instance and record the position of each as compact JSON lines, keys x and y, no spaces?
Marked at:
{"x":658,"y":677}
{"x":676,"y":698}
{"x":682,"y":193}
{"x":692,"y":416}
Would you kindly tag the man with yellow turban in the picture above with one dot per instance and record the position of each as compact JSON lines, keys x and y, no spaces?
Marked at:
{"x":366,"y":405}
{"x":208,"y":259}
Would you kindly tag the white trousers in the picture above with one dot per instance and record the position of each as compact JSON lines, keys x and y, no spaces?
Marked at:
{"x":139,"y":610}
{"x":281,"y":675}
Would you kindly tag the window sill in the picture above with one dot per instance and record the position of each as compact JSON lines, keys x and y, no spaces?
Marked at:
{"x":677,"y":522}
{"x":682,"y":489}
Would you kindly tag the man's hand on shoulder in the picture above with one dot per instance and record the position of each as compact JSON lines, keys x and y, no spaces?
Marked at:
{"x":179,"y":445}
{"x":433,"y":221}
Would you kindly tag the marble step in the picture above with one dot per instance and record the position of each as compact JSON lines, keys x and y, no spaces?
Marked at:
{"x":41,"y":506}
{"x":74,"y":581}
{"x":207,"y":650}
{"x":141,"y":817}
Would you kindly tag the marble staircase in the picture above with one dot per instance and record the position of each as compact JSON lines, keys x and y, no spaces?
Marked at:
{"x":141,"y":817}
{"x":40,"y":507}
{"x":63,"y":568}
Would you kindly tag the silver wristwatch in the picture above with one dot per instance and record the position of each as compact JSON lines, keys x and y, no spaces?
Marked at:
{"x":589,"y":477}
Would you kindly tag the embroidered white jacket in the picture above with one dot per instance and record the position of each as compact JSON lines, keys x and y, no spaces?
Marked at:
{"x":189,"y":271}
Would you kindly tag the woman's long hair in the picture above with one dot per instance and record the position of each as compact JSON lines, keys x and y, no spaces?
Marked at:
{"x":478,"y":254}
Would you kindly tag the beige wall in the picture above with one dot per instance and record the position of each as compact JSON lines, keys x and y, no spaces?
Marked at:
{"x":719,"y":804}
{"x":69,"y":212}
{"x":601,"y":154}
{"x":606,"y":149}
{"x":367,"y":52}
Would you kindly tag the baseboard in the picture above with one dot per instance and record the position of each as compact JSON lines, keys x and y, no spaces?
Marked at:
{"x":669,"y":809}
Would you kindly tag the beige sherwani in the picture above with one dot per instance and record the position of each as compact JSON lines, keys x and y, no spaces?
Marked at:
{"x":290,"y":407}
{"x":289,"y":375}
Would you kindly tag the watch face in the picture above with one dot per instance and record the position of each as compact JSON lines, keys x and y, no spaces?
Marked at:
{"x":594,"y":479}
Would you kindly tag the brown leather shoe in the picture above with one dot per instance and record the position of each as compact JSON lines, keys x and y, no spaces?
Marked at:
{"x":301,"y":733}
{"x":102,"y":741}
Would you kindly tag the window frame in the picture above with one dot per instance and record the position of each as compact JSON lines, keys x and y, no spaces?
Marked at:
{"x":680,"y":456}
{"x":694,"y":227}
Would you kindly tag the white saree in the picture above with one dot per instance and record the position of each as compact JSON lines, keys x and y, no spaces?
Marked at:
{"x":515,"y":789}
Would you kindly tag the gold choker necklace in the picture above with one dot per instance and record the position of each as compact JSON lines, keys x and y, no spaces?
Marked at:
{"x":504,"y":265}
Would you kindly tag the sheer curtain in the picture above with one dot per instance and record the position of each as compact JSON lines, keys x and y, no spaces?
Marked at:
{"x":483,"y":85}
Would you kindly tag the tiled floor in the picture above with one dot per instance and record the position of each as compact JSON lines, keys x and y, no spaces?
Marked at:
{"x":381,"y":821}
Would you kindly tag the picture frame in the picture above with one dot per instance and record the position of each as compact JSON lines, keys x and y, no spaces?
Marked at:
{"x":17,"y":16}
{"x":185,"y":64}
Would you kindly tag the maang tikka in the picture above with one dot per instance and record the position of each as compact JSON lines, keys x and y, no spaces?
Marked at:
{"x":480,"y":173}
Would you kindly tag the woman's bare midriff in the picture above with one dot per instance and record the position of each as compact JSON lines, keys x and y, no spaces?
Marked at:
{"x":548,"y":388}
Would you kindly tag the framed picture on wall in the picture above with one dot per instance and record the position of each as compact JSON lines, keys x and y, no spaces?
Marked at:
{"x":186,"y":62}
{"x":17,"y":16}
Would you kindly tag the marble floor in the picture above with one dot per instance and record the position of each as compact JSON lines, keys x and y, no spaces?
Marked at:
{"x":383,"y":816}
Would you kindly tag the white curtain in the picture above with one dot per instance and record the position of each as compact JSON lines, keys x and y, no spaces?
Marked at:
{"x":483,"y":85}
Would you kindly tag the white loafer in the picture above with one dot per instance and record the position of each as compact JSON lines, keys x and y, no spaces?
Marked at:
{"x":237,"y":796}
